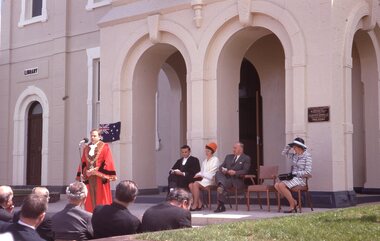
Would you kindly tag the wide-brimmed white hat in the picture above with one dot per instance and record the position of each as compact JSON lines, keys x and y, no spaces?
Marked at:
{"x":299,"y":142}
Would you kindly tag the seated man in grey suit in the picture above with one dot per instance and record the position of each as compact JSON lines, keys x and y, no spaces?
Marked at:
{"x":73,"y":222}
{"x":33,"y":212}
{"x":6,"y":204}
{"x":116,"y":219}
{"x":230,"y":172}
{"x":172,"y":214}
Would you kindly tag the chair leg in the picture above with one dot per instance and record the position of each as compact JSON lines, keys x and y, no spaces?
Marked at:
{"x":248,"y":197}
{"x":209,"y":198}
{"x":236,"y":199}
{"x":309,"y":200}
{"x":259,"y":200}
{"x":299,"y":201}
{"x":268,"y":206}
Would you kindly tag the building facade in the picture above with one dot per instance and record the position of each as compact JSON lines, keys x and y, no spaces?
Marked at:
{"x":193,"y":71}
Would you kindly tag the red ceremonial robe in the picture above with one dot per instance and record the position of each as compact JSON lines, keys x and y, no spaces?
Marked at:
{"x":98,"y":185}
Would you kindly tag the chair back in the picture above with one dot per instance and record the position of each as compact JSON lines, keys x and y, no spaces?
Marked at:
{"x":268,"y":172}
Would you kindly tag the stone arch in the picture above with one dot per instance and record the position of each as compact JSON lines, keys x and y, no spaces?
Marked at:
{"x":26,"y":98}
{"x":357,"y":24}
{"x":124,"y":101}
{"x":273,"y":19}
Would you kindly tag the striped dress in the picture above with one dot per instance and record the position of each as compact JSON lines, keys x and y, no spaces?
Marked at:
{"x":301,"y":165}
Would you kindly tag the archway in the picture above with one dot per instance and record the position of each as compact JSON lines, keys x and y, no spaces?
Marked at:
{"x":365,"y":111}
{"x":250,"y":113}
{"x":20,"y":118}
{"x":264,"y":51}
{"x":34,"y":144}
{"x":159,"y":113}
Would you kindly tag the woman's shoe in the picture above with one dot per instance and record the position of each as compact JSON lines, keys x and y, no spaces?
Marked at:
{"x":193,"y":209}
{"x":293,"y":210}
{"x":199,"y":209}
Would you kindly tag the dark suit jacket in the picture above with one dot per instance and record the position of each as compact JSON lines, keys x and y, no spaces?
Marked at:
{"x":72,"y":223}
{"x":241,"y":166}
{"x":23,"y":233}
{"x":44,"y":229}
{"x":191,"y":167}
{"x":165,"y":216}
{"x":5,"y":215}
{"x":4,"y":226}
{"x":114,"y":220}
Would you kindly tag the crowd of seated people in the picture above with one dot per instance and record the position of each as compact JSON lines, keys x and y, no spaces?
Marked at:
{"x":75,"y":223}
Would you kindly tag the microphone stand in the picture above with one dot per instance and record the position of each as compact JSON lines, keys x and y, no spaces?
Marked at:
{"x":80,"y":163}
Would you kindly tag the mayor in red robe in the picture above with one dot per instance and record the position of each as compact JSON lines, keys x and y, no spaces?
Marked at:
{"x":97,"y":170}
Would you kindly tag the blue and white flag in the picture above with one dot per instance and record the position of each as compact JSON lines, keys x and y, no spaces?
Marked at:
{"x":110,"y":132}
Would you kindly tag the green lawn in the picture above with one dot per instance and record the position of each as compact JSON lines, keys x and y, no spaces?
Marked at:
{"x":358,"y":223}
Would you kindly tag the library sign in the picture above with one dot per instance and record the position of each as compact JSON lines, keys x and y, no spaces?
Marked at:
{"x":318,"y":114}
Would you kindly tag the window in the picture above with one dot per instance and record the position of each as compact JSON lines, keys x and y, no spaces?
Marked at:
{"x":96,"y":94}
{"x":91,"y":4}
{"x":93,"y":91}
{"x":32,"y":11}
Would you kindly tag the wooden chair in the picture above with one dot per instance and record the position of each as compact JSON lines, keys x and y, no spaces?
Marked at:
{"x":265,"y":173}
{"x":299,"y":190}
{"x":208,"y":189}
{"x":236,"y":191}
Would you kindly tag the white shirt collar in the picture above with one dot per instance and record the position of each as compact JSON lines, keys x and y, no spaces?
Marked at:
{"x":184,"y":160}
{"x":27,"y":225}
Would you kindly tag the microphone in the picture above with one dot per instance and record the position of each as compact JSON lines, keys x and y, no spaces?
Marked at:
{"x":84,"y":140}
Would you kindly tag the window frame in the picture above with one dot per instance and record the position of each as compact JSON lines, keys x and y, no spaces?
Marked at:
{"x":24,"y":16}
{"x":91,"y":4}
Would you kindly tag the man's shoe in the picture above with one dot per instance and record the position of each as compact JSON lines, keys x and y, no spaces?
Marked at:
{"x":220,"y":209}
{"x":220,"y":189}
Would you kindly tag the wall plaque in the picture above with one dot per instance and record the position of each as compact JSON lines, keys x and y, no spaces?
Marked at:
{"x":318,"y":114}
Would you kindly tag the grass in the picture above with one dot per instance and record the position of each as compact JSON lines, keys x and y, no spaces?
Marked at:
{"x":358,"y":223}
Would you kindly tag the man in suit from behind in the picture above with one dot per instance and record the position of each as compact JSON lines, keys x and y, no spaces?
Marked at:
{"x":33,"y":212}
{"x":6,"y":204}
{"x":172,"y":214}
{"x":116,"y":219}
{"x":184,"y":169}
{"x":73,"y":222}
{"x":44,"y":229}
{"x":230,"y":173}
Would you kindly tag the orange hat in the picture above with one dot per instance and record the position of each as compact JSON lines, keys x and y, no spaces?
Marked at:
{"x":212,"y":145}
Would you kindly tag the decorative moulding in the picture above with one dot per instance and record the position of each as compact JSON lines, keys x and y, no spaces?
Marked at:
{"x":154,"y":28}
{"x":197,"y":6}
{"x":244,"y":10}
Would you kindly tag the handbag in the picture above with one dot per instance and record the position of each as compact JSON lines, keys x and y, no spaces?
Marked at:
{"x":285,"y":176}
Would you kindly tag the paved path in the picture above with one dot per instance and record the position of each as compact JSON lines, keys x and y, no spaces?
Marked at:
{"x":205,"y":216}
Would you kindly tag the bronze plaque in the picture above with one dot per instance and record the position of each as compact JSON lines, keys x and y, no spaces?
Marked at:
{"x":318,"y":114}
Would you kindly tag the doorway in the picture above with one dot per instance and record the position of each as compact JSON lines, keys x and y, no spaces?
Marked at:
{"x":34,"y":144}
{"x":250,"y":114}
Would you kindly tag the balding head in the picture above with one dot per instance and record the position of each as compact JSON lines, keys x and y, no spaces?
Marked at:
{"x":6,"y":196}
{"x":41,"y":191}
{"x":238,"y":148}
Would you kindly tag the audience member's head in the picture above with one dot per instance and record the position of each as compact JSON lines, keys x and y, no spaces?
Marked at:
{"x":185,"y":151}
{"x":76,"y":193}
{"x":33,"y":209}
{"x":126,"y":192}
{"x":6,"y":197}
{"x":41,"y":191}
{"x":180,"y":197}
{"x":238,"y":148}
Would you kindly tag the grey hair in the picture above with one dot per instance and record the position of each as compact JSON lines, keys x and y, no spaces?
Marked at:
{"x":5,"y":194}
{"x":76,"y":191}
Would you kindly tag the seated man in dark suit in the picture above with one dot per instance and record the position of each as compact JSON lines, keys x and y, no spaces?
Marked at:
{"x":172,"y":214}
{"x":44,"y":229}
{"x":32,"y":213}
{"x":73,"y":222}
{"x":184,"y":169}
{"x":6,"y":204}
{"x":115,"y":219}
{"x":230,"y":173}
